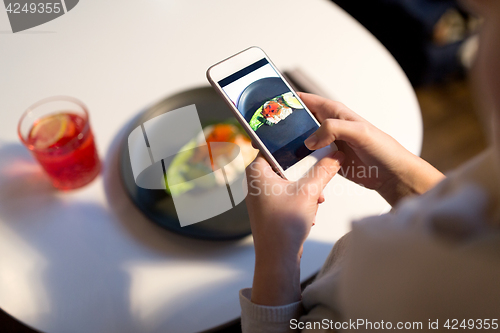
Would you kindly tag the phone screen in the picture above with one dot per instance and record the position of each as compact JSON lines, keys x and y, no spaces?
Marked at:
{"x":272,"y":110}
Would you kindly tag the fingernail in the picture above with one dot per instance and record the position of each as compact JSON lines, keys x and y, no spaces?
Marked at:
{"x":311,"y":141}
{"x":339,"y":156}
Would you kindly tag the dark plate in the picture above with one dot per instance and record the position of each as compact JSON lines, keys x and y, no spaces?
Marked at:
{"x":282,"y":133}
{"x":157,"y":205}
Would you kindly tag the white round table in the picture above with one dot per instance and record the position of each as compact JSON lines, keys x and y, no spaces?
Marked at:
{"x":87,"y":260}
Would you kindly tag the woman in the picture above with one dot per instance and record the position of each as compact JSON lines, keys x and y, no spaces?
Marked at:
{"x":431,"y":263}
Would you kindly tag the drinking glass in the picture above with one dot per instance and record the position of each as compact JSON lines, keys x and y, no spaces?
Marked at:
{"x":57,"y":132}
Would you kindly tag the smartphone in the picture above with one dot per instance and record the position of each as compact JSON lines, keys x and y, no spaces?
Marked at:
{"x":269,"y":110}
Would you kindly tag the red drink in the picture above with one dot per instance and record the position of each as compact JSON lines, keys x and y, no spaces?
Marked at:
{"x":64,"y":145}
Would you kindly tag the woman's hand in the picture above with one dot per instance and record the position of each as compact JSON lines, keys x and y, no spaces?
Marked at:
{"x":282,"y":212}
{"x":281,"y":215}
{"x":373,"y":158}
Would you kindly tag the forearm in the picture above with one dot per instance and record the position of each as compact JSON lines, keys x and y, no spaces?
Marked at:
{"x":415,"y":177}
{"x":276,"y":279}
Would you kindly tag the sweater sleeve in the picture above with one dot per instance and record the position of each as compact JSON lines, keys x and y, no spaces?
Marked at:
{"x":267,"y":319}
{"x":260,"y":318}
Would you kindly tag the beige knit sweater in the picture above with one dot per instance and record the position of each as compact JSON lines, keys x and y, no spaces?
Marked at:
{"x":433,"y":259}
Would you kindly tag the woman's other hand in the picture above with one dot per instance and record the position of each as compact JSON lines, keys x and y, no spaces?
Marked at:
{"x":373,"y":158}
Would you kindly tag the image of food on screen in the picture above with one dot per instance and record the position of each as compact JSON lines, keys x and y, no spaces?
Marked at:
{"x":275,"y":110}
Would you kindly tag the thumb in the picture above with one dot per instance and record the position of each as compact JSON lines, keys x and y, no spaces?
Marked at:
{"x":336,"y":129}
{"x":260,"y":168}
{"x":318,"y":176}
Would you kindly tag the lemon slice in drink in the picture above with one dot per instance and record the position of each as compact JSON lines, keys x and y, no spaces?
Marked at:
{"x":292,"y":101}
{"x":49,"y":130}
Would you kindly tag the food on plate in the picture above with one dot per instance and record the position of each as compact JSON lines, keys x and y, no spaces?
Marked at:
{"x":195,"y":159}
{"x":275,"y":110}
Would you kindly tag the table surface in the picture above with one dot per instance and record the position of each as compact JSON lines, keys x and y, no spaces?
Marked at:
{"x":87,"y":260}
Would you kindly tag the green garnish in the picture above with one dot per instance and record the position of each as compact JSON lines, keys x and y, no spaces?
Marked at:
{"x":257,"y":119}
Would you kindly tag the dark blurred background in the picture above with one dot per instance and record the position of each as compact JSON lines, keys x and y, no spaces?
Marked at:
{"x":433,"y":41}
